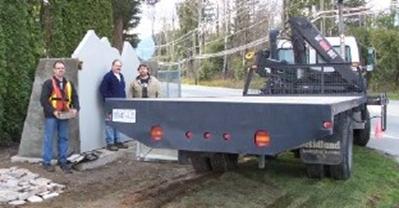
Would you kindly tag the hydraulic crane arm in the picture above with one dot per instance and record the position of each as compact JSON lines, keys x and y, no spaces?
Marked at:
{"x":302,"y":29}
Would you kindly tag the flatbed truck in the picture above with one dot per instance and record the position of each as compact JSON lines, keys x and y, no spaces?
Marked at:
{"x":317,"y":113}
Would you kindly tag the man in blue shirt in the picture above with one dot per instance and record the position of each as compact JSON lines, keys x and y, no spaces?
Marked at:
{"x":113,"y":86}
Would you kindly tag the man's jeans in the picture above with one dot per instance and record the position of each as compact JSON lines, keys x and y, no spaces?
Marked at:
{"x":61,"y":126}
{"x":111,"y":135}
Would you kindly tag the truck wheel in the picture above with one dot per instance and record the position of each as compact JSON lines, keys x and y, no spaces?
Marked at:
{"x":232,"y":161}
{"x":344,"y":132}
{"x":362,"y":136}
{"x":315,"y":170}
{"x":199,"y":162}
{"x":221,"y":162}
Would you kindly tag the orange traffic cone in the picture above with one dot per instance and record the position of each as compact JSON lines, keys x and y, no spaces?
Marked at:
{"x":378,"y":133}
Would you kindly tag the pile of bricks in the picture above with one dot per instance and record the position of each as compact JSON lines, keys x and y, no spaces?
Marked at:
{"x":19,"y":186}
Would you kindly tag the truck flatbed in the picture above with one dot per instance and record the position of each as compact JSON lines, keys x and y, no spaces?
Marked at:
{"x":329,"y":100}
{"x":237,"y":116}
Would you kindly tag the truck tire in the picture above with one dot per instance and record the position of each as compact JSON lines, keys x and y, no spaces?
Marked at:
{"x":199,"y":162}
{"x":315,"y":170}
{"x":222,"y":162}
{"x":362,"y":136}
{"x":343,"y":131}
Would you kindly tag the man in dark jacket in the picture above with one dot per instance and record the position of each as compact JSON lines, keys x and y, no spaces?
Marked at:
{"x":60,"y":103}
{"x":113,"y":86}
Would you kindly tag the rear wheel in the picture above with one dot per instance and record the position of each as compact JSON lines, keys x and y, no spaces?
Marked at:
{"x":344,"y":133}
{"x":221,"y":162}
{"x":199,"y":162}
{"x":217,"y":162}
{"x":315,"y":170}
{"x":362,"y":136}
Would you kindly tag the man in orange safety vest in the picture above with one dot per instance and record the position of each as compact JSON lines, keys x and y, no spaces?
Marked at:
{"x":60,"y":103}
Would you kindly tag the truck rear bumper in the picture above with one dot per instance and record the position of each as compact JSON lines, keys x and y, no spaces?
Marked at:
{"x":290,"y":121}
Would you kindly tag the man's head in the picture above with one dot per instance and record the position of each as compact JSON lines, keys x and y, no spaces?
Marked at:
{"x":116,"y":66}
{"x":59,"y":69}
{"x":144,"y":70}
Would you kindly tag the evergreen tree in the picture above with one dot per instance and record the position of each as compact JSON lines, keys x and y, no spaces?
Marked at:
{"x":66,"y":22}
{"x":20,"y":37}
{"x":125,"y":18}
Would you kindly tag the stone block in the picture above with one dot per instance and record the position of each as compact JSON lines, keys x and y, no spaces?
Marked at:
{"x":17,"y":202}
{"x":19,"y":173}
{"x":35,"y":199}
{"x":40,"y":181}
{"x":7,"y":195}
{"x":11,"y":182}
{"x":37,"y":189}
{"x":24,"y":195}
{"x":50,"y":195}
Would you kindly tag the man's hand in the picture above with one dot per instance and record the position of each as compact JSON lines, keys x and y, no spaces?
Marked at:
{"x":74,"y":112}
{"x":57,"y":114}
{"x":108,"y":116}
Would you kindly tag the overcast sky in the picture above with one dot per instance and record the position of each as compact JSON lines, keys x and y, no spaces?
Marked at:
{"x":165,"y":11}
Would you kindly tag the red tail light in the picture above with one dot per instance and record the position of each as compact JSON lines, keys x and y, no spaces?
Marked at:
{"x":226,"y":136}
{"x":207,"y":135}
{"x":328,"y":124}
{"x":262,"y":138}
{"x":156,"y":133}
{"x":189,"y":135}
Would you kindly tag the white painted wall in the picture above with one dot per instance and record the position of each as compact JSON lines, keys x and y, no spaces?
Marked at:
{"x":97,"y":56}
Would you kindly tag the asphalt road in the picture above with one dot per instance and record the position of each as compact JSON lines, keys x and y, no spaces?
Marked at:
{"x":389,"y":142}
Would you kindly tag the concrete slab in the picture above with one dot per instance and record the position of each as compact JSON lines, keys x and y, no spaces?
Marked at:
{"x":107,"y":156}
{"x":22,"y":159}
{"x":146,"y":153}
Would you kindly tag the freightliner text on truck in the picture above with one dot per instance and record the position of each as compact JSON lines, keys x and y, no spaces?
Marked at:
{"x":317,"y":109}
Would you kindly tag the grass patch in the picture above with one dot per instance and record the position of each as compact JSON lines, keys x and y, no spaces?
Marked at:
{"x":374,"y":183}
{"x":393,"y":95}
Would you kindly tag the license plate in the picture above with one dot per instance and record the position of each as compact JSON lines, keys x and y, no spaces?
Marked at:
{"x":124,"y":115}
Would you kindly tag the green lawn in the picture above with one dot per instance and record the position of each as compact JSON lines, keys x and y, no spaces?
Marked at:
{"x":374,"y":183}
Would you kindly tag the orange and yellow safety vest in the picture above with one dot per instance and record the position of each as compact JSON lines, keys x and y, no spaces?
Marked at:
{"x":58,"y":100}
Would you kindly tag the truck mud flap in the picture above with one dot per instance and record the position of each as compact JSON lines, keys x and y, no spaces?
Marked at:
{"x":321,"y":152}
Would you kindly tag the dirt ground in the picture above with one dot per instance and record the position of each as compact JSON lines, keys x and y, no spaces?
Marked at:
{"x":128,"y":183}
{"x":124,"y":183}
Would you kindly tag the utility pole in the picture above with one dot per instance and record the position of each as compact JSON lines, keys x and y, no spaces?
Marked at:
{"x":173,"y":37}
{"x":341,"y":28}
{"x":193,"y":61}
{"x":199,"y":39}
{"x":217,"y":18}
{"x":323,"y":19}
{"x":284,"y":18}
{"x":226,"y":31}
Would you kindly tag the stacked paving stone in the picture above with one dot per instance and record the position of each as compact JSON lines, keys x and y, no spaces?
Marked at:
{"x":18,"y":186}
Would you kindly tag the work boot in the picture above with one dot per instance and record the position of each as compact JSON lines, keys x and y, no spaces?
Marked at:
{"x":49,"y":168}
{"x":120,"y":145}
{"x":112,"y":147}
{"x":66,"y":168}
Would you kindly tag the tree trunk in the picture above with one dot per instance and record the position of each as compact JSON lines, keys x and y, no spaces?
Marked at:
{"x":117,"y":34}
{"x":46,"y":26}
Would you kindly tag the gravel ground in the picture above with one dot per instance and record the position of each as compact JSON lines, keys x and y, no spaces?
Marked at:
{"x":112,"y":185}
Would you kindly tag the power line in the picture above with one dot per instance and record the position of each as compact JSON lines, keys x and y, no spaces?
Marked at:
{"x":239,"y":31}
{"x":219,"y":54}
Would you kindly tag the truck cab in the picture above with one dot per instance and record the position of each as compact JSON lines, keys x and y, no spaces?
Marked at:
{"x":352,"y":53}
